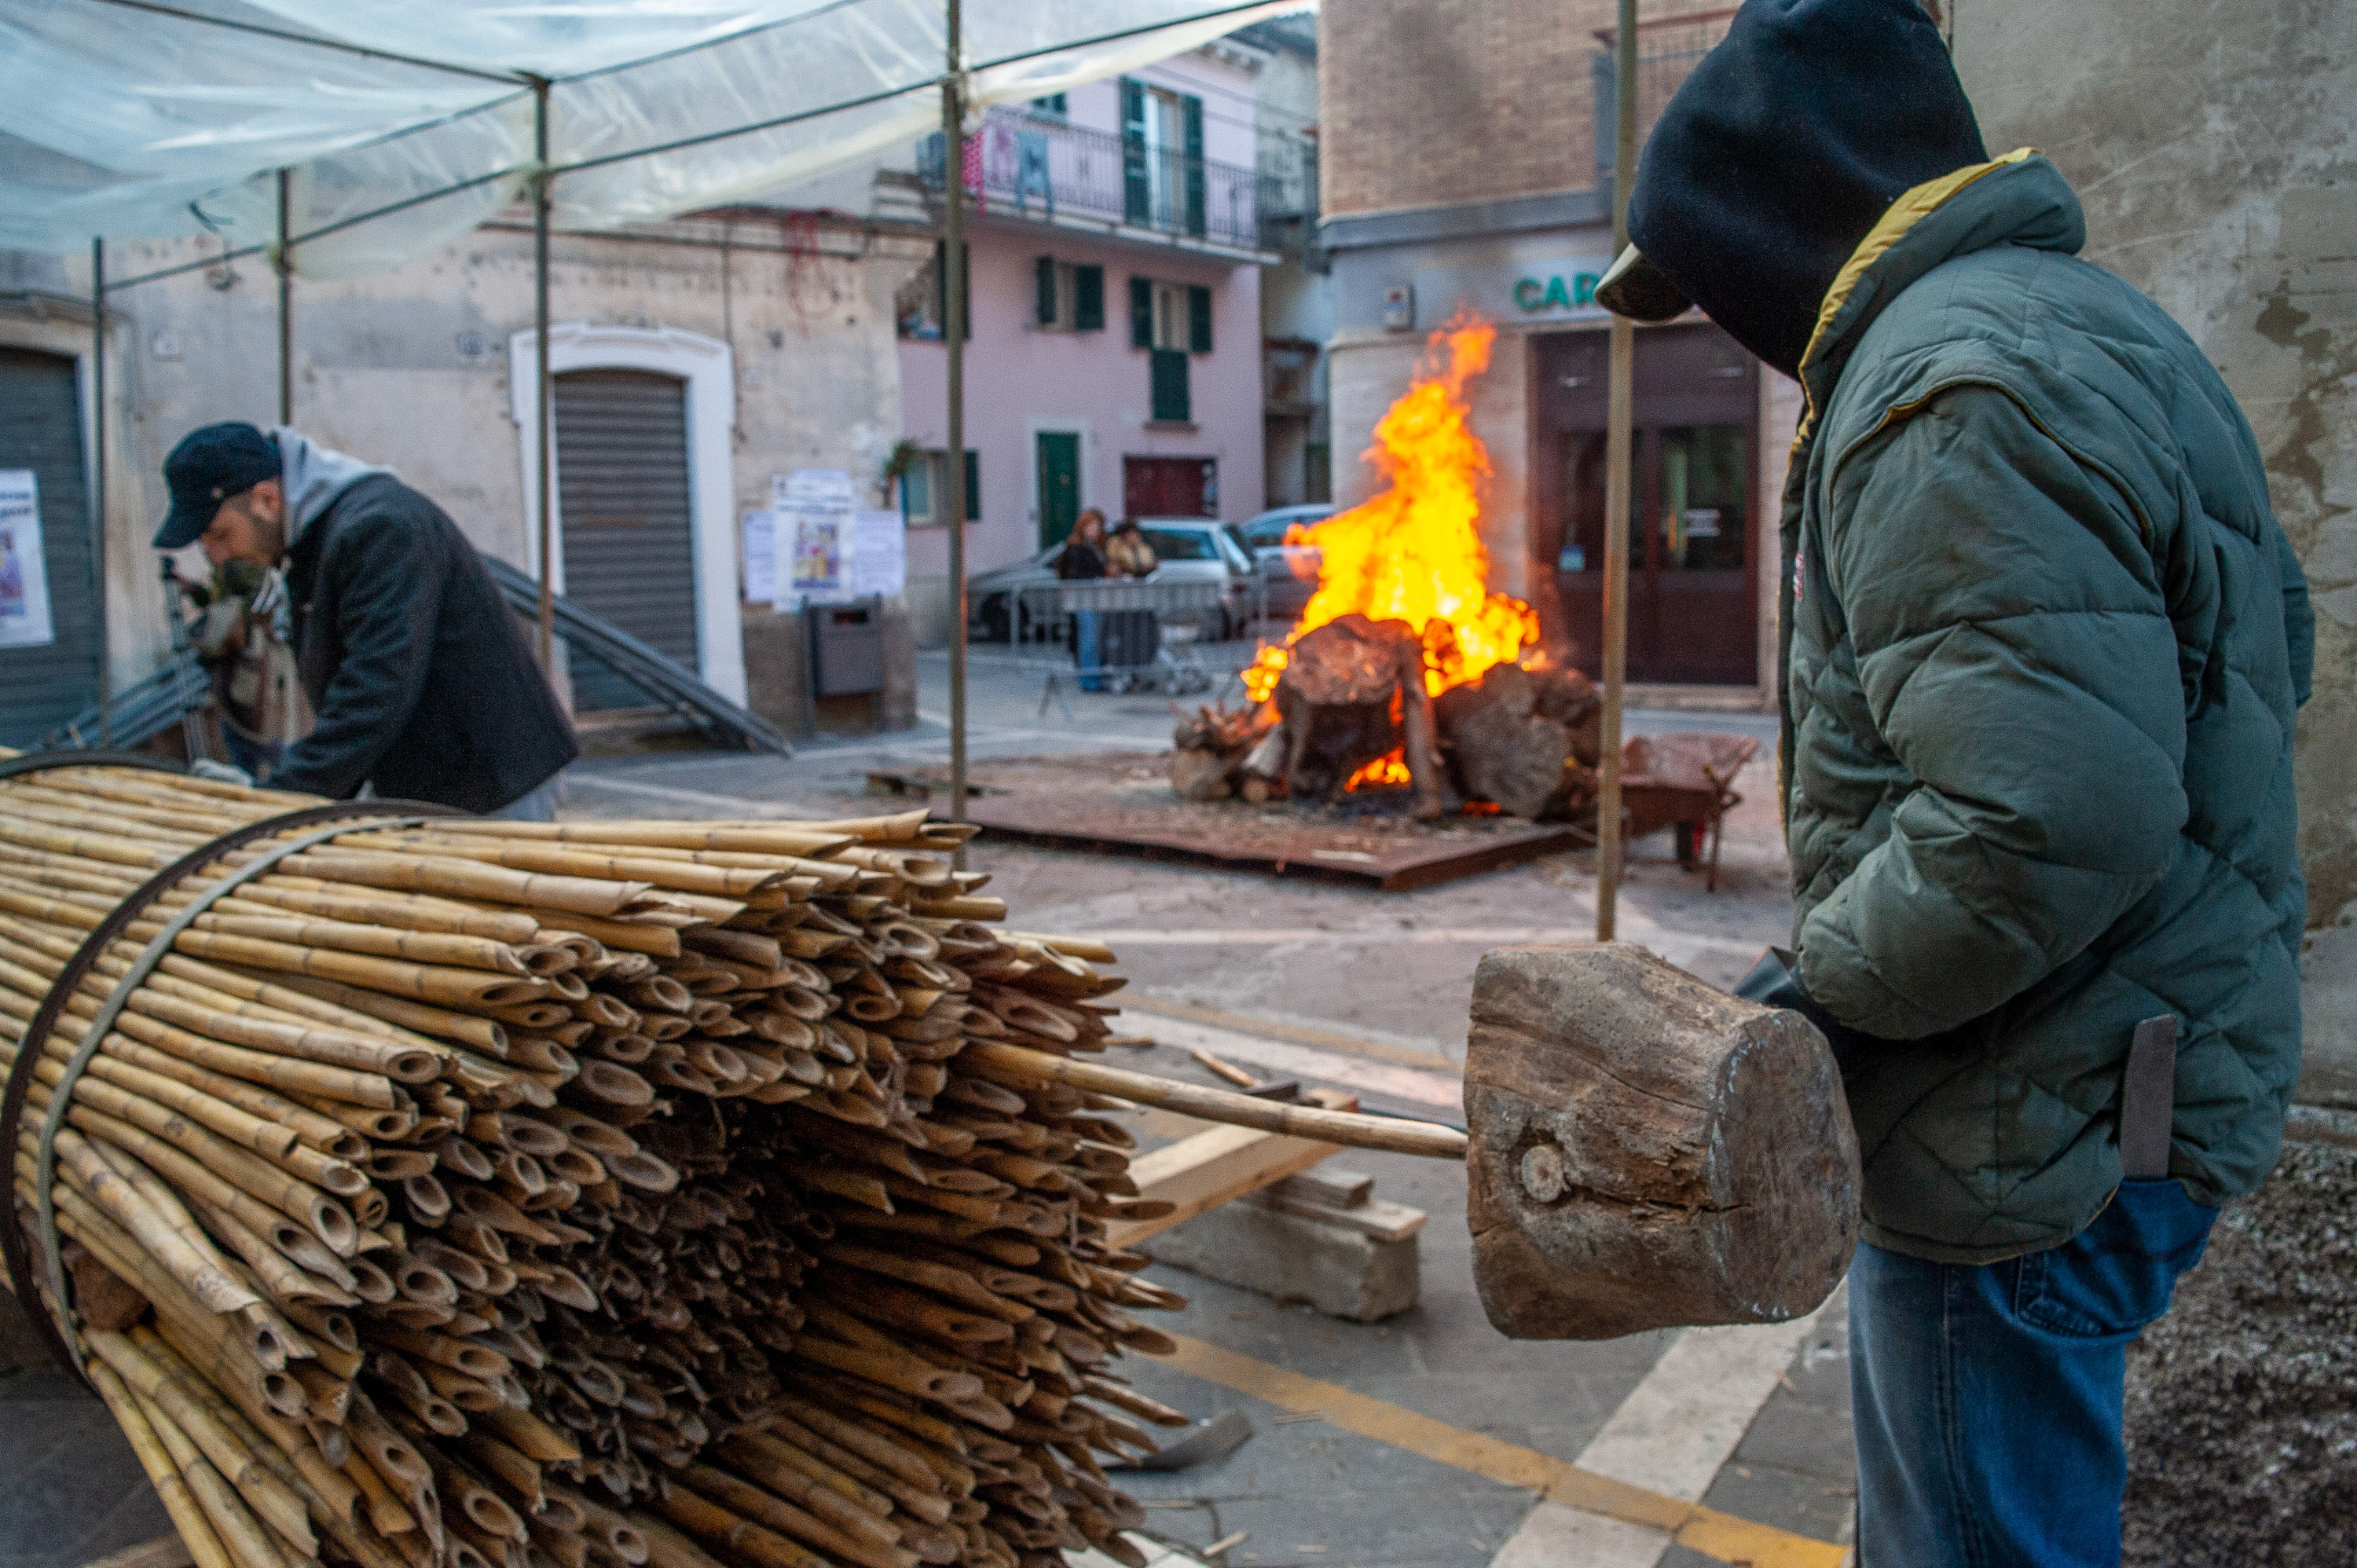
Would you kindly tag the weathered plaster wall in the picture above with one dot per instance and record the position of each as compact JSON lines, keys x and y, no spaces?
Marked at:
{"x":410,"y":367}
{"x":2214,"y":145}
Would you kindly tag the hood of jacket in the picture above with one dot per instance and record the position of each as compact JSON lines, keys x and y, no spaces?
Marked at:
{"x":1783,"y":150}
{"x":313,"y":477}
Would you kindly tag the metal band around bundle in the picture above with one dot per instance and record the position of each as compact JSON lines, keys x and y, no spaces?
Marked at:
{"x":41,"y":761}
{"x":329,"y":821}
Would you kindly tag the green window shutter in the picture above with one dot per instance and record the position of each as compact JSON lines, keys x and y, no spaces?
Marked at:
{"x":1043,"y":272}
{"x":972,"y":485}
{"x":1141,"y":313}
{"x":1191,"y":111}
{"x":1172,"y":402}
{"x":1088,"y":300}
{"x":1137,"y":190}
{"x":1198,"y":319}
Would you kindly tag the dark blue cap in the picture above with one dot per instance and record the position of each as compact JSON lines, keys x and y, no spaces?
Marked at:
{"x":205,"y":469}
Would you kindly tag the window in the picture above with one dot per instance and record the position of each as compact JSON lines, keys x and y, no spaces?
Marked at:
{"x":1167,"y":373}
{"x":926,"y":479}
{"x":1169,"y":316}
{"x":1051,"y":104}
{"x":1182,"y":544}
{"x":920,"y":305}
{"x":1068,"y":296}
{"x":1162,"y":157}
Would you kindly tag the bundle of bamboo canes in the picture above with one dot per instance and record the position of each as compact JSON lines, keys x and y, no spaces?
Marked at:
{"x":507,"y":1196}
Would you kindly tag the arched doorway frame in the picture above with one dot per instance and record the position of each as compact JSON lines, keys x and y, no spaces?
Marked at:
{"x":706,"y":366}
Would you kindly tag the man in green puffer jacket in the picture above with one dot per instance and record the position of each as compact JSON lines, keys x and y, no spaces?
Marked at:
{"x":2043,"y":647}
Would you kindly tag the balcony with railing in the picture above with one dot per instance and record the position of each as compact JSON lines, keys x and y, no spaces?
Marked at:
{"x":1039,"y":166}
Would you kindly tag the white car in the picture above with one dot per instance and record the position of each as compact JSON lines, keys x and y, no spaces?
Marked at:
{"x":1186,"y":548}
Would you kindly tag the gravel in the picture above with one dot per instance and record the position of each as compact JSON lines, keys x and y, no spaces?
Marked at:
{"x":2242,"y":1403}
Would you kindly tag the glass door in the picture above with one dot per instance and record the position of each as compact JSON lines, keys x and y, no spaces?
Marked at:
{"x":1692,"y":545}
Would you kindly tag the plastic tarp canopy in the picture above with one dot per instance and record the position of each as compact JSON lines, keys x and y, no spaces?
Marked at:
{"x":134,"y":119}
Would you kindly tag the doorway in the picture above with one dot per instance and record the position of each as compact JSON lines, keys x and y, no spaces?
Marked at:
{"x":1059,"y":459}
{"x":49,"y":628}
{"x":1171,"y":486}
{"x":1693,"y":539}
{"x":628,"y":535}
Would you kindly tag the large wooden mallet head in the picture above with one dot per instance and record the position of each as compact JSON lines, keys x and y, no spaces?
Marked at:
{"x":1648,"y":1152}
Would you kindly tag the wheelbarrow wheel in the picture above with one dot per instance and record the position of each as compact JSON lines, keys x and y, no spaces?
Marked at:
{"x":1687,"y":837}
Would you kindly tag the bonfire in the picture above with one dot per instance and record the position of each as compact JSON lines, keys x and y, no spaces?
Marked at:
{"x":1392,"y":660}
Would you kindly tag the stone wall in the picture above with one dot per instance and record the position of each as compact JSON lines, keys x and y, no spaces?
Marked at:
{"x":2213,"y":144}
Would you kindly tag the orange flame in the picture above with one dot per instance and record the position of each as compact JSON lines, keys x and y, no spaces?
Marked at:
{"x":1414,"y":552}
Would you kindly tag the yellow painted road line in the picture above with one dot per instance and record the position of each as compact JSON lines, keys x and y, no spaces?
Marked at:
{"x":1714,"y":1534}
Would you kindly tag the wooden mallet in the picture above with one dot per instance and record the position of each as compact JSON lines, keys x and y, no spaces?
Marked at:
{"x":1648,"y":1152}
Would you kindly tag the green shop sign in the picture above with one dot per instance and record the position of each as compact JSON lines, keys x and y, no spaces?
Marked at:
{"x":1534,"y":295}
{"x":1534,"y":290}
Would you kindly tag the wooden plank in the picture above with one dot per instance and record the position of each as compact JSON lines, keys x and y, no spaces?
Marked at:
{"x":1206,"y":1169}
{"x":1418,"y":862}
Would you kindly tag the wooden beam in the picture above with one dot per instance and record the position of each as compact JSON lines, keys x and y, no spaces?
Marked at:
{"x":1206,"y":1169}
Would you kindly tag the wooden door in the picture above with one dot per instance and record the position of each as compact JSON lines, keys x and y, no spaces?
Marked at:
{"x":1060,"y":485}
{"x":1171,"y":486}
{"x":1695,"y":534}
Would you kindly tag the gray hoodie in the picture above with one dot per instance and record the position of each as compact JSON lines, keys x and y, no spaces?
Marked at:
{"x":313,"y":476}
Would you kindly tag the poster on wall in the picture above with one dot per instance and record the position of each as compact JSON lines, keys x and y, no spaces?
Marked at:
{"x":761,"y":558}
{"x":879,"y":554}
{"x":24,"y":576}
{"x":811,"y":536}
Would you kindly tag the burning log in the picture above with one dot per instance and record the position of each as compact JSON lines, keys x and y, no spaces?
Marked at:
{"x":460,"y":1194}
{"x":1353,"y":692}
{"x":1524,"y":739}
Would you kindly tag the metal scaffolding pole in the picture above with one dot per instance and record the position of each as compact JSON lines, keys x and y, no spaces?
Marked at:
{"x":97,"y":479}
{"x":1617,"y":488}
{"x":286,"y":308}
{"x":542,"y":438}
{"x":953,"y":340}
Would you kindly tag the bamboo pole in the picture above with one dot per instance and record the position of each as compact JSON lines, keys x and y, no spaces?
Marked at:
{"x":1016,"y":1066}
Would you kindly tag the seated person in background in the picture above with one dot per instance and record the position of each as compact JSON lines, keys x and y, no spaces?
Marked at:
{"x":1128,"y":553}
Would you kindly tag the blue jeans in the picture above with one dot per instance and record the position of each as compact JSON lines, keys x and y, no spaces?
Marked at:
{"x":1988,"y":1398}
{"x":1088,"y":650}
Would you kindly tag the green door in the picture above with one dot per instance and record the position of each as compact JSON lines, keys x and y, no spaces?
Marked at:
{"x":1060,"y":485}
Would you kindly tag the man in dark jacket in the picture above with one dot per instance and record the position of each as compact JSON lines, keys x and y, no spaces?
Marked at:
{"x":2043,"y":647}
{"x":421,"y":681}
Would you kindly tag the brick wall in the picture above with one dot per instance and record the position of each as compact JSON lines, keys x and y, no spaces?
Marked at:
{"x":1425,"y":102}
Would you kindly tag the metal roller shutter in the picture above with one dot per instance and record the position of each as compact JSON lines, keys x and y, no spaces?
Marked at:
{"x":621,"y":465}
{"x":40,"y":429}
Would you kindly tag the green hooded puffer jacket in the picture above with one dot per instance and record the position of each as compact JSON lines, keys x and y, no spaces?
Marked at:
{"x":2044,"y":643}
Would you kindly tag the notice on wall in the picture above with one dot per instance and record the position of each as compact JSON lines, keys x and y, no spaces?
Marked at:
{"x":23,"y":572}
{"x":760,"y":557}
{"x":811,"y":536}
{"x":879,"y":552}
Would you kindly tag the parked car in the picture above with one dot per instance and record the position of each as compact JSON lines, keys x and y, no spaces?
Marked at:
{"x":1288,"y":571}
{"x":1189,"y":549}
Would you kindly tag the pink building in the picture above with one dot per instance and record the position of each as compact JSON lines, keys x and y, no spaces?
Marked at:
{"x":1114,"y":358}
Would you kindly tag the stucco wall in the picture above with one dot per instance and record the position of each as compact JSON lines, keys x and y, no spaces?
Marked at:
{"x":2213,"y":145}
{"x":1020,"y":380}
{"x":410,"y":367}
